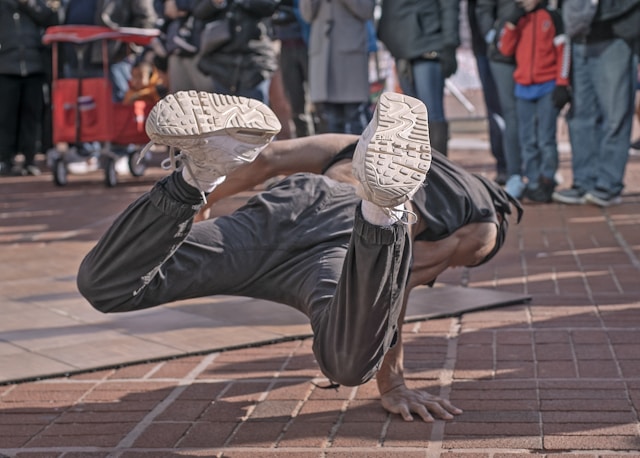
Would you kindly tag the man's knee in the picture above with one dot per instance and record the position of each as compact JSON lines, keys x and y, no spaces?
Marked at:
{"x":349,"y":376}
{"x":100,"y":294}
{"x":348,"y":368}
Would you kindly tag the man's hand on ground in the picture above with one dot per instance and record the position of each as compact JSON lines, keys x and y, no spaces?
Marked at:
{"x":404,"y":401}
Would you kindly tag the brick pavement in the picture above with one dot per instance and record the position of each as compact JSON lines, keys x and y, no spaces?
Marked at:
{"x":557,"y":376}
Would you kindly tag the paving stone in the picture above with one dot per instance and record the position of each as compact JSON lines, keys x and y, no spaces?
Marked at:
{"x":358,"y":434}
{"x":554,"y":376}
{"x":161,"y":434}
{"x":205,"y":434}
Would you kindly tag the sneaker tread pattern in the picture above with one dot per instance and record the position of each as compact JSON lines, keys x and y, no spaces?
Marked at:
{"x":399,"y":154}
{"x":193,"y":113}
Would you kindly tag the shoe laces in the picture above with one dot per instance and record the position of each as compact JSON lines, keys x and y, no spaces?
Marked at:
{"x":177,"y":162}
{"x":401,"y":215}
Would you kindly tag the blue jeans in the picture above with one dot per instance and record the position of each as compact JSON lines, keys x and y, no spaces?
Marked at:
{"x":537,"y":131}
{"x":601,"y":114}
{"x":120,"y":74}
{"x":426,"y":84}
{"x":259,"y":92}
{"x":343,"y":118}
{"x":503,"y":77}
{"x":494,"y":111}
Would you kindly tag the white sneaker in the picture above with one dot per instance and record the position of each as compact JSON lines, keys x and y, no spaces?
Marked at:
{"x":393,"y":154}
{"x":214,"y":133}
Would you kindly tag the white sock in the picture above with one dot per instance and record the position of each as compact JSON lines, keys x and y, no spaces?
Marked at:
{"x":381,"y":217}
{"x":202,"y":186}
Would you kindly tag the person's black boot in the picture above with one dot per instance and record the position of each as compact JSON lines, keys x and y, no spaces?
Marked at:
{"x":301,"y":123}
{"x":439,"y":134}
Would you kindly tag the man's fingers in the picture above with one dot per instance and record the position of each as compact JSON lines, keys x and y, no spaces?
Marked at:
{"x":422,"y":411}
{"x":450,"y":407}
{"x":441,"y":407}
{"x":404,"y":411}
{"x":404,"y":402}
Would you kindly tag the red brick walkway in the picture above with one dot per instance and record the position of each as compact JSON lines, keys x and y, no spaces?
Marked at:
{"x":557,"y":376}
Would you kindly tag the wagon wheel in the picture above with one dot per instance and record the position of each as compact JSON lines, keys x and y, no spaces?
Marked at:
{"x":60,"y":172}
{"x":137,"y":163}
{"x":110,"y":174}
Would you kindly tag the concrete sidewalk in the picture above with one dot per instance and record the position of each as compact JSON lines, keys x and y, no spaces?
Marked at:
{"x":558,"y":375}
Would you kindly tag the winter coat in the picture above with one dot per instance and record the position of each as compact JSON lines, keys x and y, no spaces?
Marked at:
{"x":338,"y":49}
{"x":22,"y":25}
{"x":126,"y":13}
{"x":176,"y":32}
{"x":250,"y":56}
{"x":491,"y":16}
{"x":419,"y":28}
{"x":538,"y":43}
{"x":114,"y":14}
{"x":617,"y":19}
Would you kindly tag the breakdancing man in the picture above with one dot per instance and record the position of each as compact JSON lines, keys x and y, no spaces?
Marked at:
{"x":337,"y":246}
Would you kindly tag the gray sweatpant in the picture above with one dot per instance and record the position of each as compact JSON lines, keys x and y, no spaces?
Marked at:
{"x":303,"y":243}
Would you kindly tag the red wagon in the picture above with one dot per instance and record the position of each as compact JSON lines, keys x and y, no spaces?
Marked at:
{"x":84,"y":113}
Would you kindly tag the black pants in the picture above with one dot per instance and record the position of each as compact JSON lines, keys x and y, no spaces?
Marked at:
{"x":303,"y":243}
{"x":21,"y":116}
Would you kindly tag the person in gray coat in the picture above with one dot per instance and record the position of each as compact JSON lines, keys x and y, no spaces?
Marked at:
{"x":339,"y":61}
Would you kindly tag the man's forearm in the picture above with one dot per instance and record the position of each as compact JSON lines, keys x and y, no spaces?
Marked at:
{"x":391,"y":373}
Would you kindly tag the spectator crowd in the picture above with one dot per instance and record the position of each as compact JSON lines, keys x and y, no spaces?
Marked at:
{"x":311,"y":61}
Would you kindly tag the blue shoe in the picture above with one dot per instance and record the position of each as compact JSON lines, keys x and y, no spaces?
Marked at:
{"x":602,"y":198}
{"x":515,"y":186}
{"x":571,"y":196}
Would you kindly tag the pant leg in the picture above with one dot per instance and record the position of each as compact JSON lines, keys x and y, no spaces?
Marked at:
{"x":583,"y":120}
{"x":259,"y":92}
{"x":294,"y":60}
{"x":356,"y":117}
{"x":547,"y":115}
{"x":494,"y":111}
{"x":503,"y":76}
{"x":332,"y":117}
{"x":10,"y":96}
{"x":527,"y":130}
{"x":352,"y":335}
{"x":613,"y":70}
{"x":428,"y":86}
{"x":115,"y":276}
{"x":120,"y":74}
{"x":31,"y":116}
{"x":152,"y":254}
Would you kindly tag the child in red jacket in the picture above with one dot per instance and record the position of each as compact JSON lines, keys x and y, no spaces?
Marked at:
{"x":537,"y":40}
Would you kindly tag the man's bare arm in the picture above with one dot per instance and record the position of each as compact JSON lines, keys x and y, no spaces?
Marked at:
{"x":468,"y":246}
{"x":282,"y":157}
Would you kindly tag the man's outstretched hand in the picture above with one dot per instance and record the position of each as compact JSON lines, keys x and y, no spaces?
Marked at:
{"x":404,"y":401}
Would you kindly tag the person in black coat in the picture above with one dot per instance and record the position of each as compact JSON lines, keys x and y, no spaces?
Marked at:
{"x":23,"y":75}
{"x":246,"y":62}
{"x":422,"y":36}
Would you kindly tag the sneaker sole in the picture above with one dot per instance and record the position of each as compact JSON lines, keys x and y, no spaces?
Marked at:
{"x":188,"y":117}
{"x":398,"y":154}
{"x":601,"y":202}
{"x":556,"y":197}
